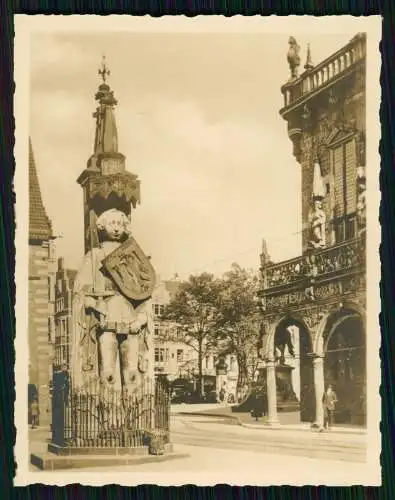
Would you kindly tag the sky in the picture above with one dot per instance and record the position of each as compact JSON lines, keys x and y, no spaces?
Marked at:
{"x":198,"y":121}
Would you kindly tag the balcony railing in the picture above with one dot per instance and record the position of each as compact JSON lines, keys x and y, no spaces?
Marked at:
{"x":328,"y":70}
{"x":318,"y":265}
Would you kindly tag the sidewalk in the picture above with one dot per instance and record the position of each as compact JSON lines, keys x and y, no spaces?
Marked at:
{"x":221,"y":413}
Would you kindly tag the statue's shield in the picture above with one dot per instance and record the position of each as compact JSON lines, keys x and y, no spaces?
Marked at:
{"x":131,"y":270}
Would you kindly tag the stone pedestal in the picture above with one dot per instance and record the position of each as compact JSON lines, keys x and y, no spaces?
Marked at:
{"x":286,"y":397}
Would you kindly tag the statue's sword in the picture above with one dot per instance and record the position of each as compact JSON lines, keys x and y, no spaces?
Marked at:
{"x":98,"y":295}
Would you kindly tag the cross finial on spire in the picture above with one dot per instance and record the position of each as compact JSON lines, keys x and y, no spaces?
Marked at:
{"x":104,"y":71}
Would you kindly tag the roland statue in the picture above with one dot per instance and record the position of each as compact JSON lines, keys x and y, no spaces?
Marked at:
{"x":112,"y":309}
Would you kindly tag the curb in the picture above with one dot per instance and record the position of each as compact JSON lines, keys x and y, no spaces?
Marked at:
{"x":265,"y":427}
{"x":212,"y":415}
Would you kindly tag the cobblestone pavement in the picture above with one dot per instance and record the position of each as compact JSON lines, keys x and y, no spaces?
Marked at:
{"x":232,"y":454}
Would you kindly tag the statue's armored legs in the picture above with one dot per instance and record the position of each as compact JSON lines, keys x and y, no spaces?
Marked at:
{"x":128,"y":354}
{"x":108,"y":348}
{"x":128,"y":351}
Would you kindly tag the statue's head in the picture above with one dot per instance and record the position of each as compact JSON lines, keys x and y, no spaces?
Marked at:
{"x":317,"y":203}
{"x":114,"y":225}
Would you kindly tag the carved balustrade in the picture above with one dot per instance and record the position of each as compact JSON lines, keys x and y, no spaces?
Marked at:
{"x":316,"y":265}
{"x":332,"y":68}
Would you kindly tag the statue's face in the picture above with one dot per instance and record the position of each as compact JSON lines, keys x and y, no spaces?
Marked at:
{"x":114,"y":227}
{"x":317,"y":204}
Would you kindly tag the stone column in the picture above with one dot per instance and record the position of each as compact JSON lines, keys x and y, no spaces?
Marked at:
{"x":319,"y":389}
{"x":271,"y":393}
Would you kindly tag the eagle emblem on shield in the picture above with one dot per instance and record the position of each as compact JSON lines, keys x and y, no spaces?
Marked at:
{"x":131,"y":270}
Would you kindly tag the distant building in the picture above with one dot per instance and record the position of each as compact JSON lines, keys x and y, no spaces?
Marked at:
{"x":175,"y":359}
{"x":172,"y":358}
{"x":63,"y":316}
{"x":41,"y":296}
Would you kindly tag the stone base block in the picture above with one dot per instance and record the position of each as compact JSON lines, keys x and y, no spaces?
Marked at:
{"x":67,"y":451}
{"x":59,"y":459}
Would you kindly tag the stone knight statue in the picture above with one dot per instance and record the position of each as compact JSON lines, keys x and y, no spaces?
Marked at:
{"x":112,"y":310}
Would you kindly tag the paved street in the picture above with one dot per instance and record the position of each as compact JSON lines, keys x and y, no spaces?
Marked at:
{"x":213,"y":445}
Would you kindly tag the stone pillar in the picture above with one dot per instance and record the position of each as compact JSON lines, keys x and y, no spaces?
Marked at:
{"x":271,"y":393}
{"x":319,"y":389}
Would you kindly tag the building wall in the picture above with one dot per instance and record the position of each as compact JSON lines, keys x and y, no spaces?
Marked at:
{"x":326,"y":120}
{"x":325,"y":112}
{"x":171,"y":357}
{"x":64,"y":280}
{"x":39,"y":334}
{"x":176,"y":359}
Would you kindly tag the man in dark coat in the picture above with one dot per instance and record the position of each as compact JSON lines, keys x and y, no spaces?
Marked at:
{"x":329,"y":401}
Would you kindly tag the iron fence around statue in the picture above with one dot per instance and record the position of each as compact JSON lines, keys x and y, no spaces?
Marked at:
{"x":94,"y":416}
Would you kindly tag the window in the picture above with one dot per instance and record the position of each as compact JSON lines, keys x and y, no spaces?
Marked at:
{"x":156,"y":330}
{"x":60,"y":304}
{"x":161,"y":354}
{"x":159,"y":309}
{"x":345,"y":191}
{"x":180,"y":355}
{"x":179,"y":332}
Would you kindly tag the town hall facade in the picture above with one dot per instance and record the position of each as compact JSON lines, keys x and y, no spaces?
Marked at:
{"x":321,"y":293}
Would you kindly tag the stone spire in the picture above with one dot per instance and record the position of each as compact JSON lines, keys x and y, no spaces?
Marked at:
{"x":309,"y":62}
{"x":40,"y":227}
{"x":105,"y":181}
{"x":264,"y":255}
{"x":106,"y":137}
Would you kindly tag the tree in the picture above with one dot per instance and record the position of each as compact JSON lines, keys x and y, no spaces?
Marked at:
{"x":193,"y":309}
{"x":238,"y":322}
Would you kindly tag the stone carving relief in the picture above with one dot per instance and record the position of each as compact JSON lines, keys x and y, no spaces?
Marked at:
{"x":361,"y":149}
{"x":354,"y":284}
{"x":330,"y":290}
{"x":317,"y":219}
{"x":306,"y":145}
{"x":311,"y":266}
{"x":311,"y":293}
{"x":313,"y":317}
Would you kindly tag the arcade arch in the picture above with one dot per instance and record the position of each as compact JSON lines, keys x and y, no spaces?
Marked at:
{"x":344,"y":345}
{"x":292,"y":349}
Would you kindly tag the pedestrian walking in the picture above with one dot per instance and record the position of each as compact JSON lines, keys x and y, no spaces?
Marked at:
{"x":222,"y":393}
{"x":329,"y":401}
{"x":34,"y":413}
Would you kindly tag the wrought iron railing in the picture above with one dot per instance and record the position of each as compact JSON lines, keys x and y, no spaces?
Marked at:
{"x":328,"y":70}
{"x":93,"y":416}
{"x":318,"y":264}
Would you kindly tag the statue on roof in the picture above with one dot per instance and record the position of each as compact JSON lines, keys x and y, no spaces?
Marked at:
{"x":293,"y":57}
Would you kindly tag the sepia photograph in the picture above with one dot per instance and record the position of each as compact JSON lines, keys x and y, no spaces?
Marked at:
{"x":197,"y":250}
